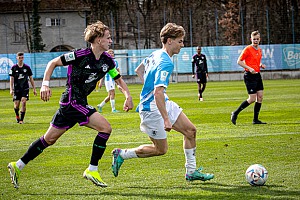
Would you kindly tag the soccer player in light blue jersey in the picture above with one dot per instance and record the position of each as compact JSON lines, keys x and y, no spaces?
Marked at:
{"x":110,"y":87}
{"x":158,"y":114}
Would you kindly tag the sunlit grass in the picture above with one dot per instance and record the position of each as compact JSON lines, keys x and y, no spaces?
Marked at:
{"x":222,"y":148}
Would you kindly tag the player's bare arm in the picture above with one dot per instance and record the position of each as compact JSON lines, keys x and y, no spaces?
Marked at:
{"x":45,"y":92}
{"x":243,"y":64}
{"x":33,"y":86}
{"x":161,"y":105}
{"x":101,"y":82}
{"x":140,"y":71}
{"x":11,"y":84}
{"x":128,"y":104}
{"x":263,"y":66}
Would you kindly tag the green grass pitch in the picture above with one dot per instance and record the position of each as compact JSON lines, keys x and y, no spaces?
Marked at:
{"x":222,"y":148}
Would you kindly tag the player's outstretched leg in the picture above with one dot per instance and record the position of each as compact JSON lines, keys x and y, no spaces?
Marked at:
{"x":116,"y":162}
{"x":94,"y":176}
{"x":198,"y":175}
{"x":14,"y":172}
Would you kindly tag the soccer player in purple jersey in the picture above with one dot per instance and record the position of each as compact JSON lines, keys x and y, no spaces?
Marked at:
{"x":158,"y":113}
{"x":85,"y":68}
{"x":199,"y":62}
{"x":19,"y":74}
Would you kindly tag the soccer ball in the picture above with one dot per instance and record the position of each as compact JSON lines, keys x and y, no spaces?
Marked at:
{"x":256,"y":175}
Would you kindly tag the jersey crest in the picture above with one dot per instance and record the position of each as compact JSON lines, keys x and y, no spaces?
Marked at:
{"x":105,"y":67}
{"x":93,"y":76}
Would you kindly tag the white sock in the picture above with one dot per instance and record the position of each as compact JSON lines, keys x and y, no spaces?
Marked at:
{"x":128,"y":153}
{"x":190,"y":160}
{"x":93,"y":167}
{"x":112,"y":103}
{"x":102,"y":104}
{"x":20,"y":164}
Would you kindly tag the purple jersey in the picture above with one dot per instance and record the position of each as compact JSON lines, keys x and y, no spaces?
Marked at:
{"x":21,"y":76}
{"x":84,"y":71}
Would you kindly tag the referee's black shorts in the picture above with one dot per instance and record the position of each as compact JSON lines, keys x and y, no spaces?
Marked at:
{"x":253,"y":82}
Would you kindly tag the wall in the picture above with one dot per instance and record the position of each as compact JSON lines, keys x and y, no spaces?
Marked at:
{"x":70,"y":34}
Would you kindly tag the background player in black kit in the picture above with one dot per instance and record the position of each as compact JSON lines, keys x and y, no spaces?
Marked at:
{"x":85,"y":68}
{"x":199,"y":61}
{"x":19,"y":74}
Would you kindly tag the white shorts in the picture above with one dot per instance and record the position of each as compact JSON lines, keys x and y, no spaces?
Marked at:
{"x":110,"y":85}
{"x":152,"y":122}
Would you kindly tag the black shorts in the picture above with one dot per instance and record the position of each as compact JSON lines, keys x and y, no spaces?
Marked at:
{"x":19,"y":94}
{"x":253,"y":82}
{"x":201,"y":77}
{"x":68,"y":115}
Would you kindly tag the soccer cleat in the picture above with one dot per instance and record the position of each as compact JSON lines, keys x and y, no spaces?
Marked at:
{"x":258,"y":122}
{"x":198,"y":175}
{"x":115,"y":111}
{"x":116,"y":162}
{"x":14,"y":172}
{"x":94,"y":176}
{"x":233,"y":118}
{"x":21,"y":122}
{"x":99,"y":108}
{"x":17,"y":119}
{"x":201,"y":99}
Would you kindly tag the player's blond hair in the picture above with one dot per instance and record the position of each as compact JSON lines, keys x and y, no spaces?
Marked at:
{"x":110,"y":51}
{"x":94,"y":30}
{"x":255,"y":33}
{"x":171,"y":30}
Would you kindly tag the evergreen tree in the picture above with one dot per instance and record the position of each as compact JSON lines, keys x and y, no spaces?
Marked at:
{"x":37,"y":44}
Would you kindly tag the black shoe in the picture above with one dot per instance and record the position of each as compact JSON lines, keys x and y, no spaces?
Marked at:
{"x":258,"y":122}
{"x":233,"y":118}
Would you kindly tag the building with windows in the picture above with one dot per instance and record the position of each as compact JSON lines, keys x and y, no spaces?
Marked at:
{"x":62,"y":25}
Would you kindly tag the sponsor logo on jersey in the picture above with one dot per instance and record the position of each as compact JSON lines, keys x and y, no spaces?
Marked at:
{"x":87,"y":67}
{"x":163,"y":75}
{"x":21,"y":76}
{"x":92,"y":77}
{"x":69,"y":56}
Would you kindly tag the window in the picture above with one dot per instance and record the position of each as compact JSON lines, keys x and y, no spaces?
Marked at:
{"x":55,"y":22}
{"x":19,"y":31}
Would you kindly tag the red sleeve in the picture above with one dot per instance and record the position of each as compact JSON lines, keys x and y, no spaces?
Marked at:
{"x":244,"y":53}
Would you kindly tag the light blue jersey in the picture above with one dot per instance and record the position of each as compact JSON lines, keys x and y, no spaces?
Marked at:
{"x":107,"y":76}
{"x":158,"y":69}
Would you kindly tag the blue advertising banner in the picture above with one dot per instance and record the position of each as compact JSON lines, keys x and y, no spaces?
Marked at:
{"x":219,"y":59}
